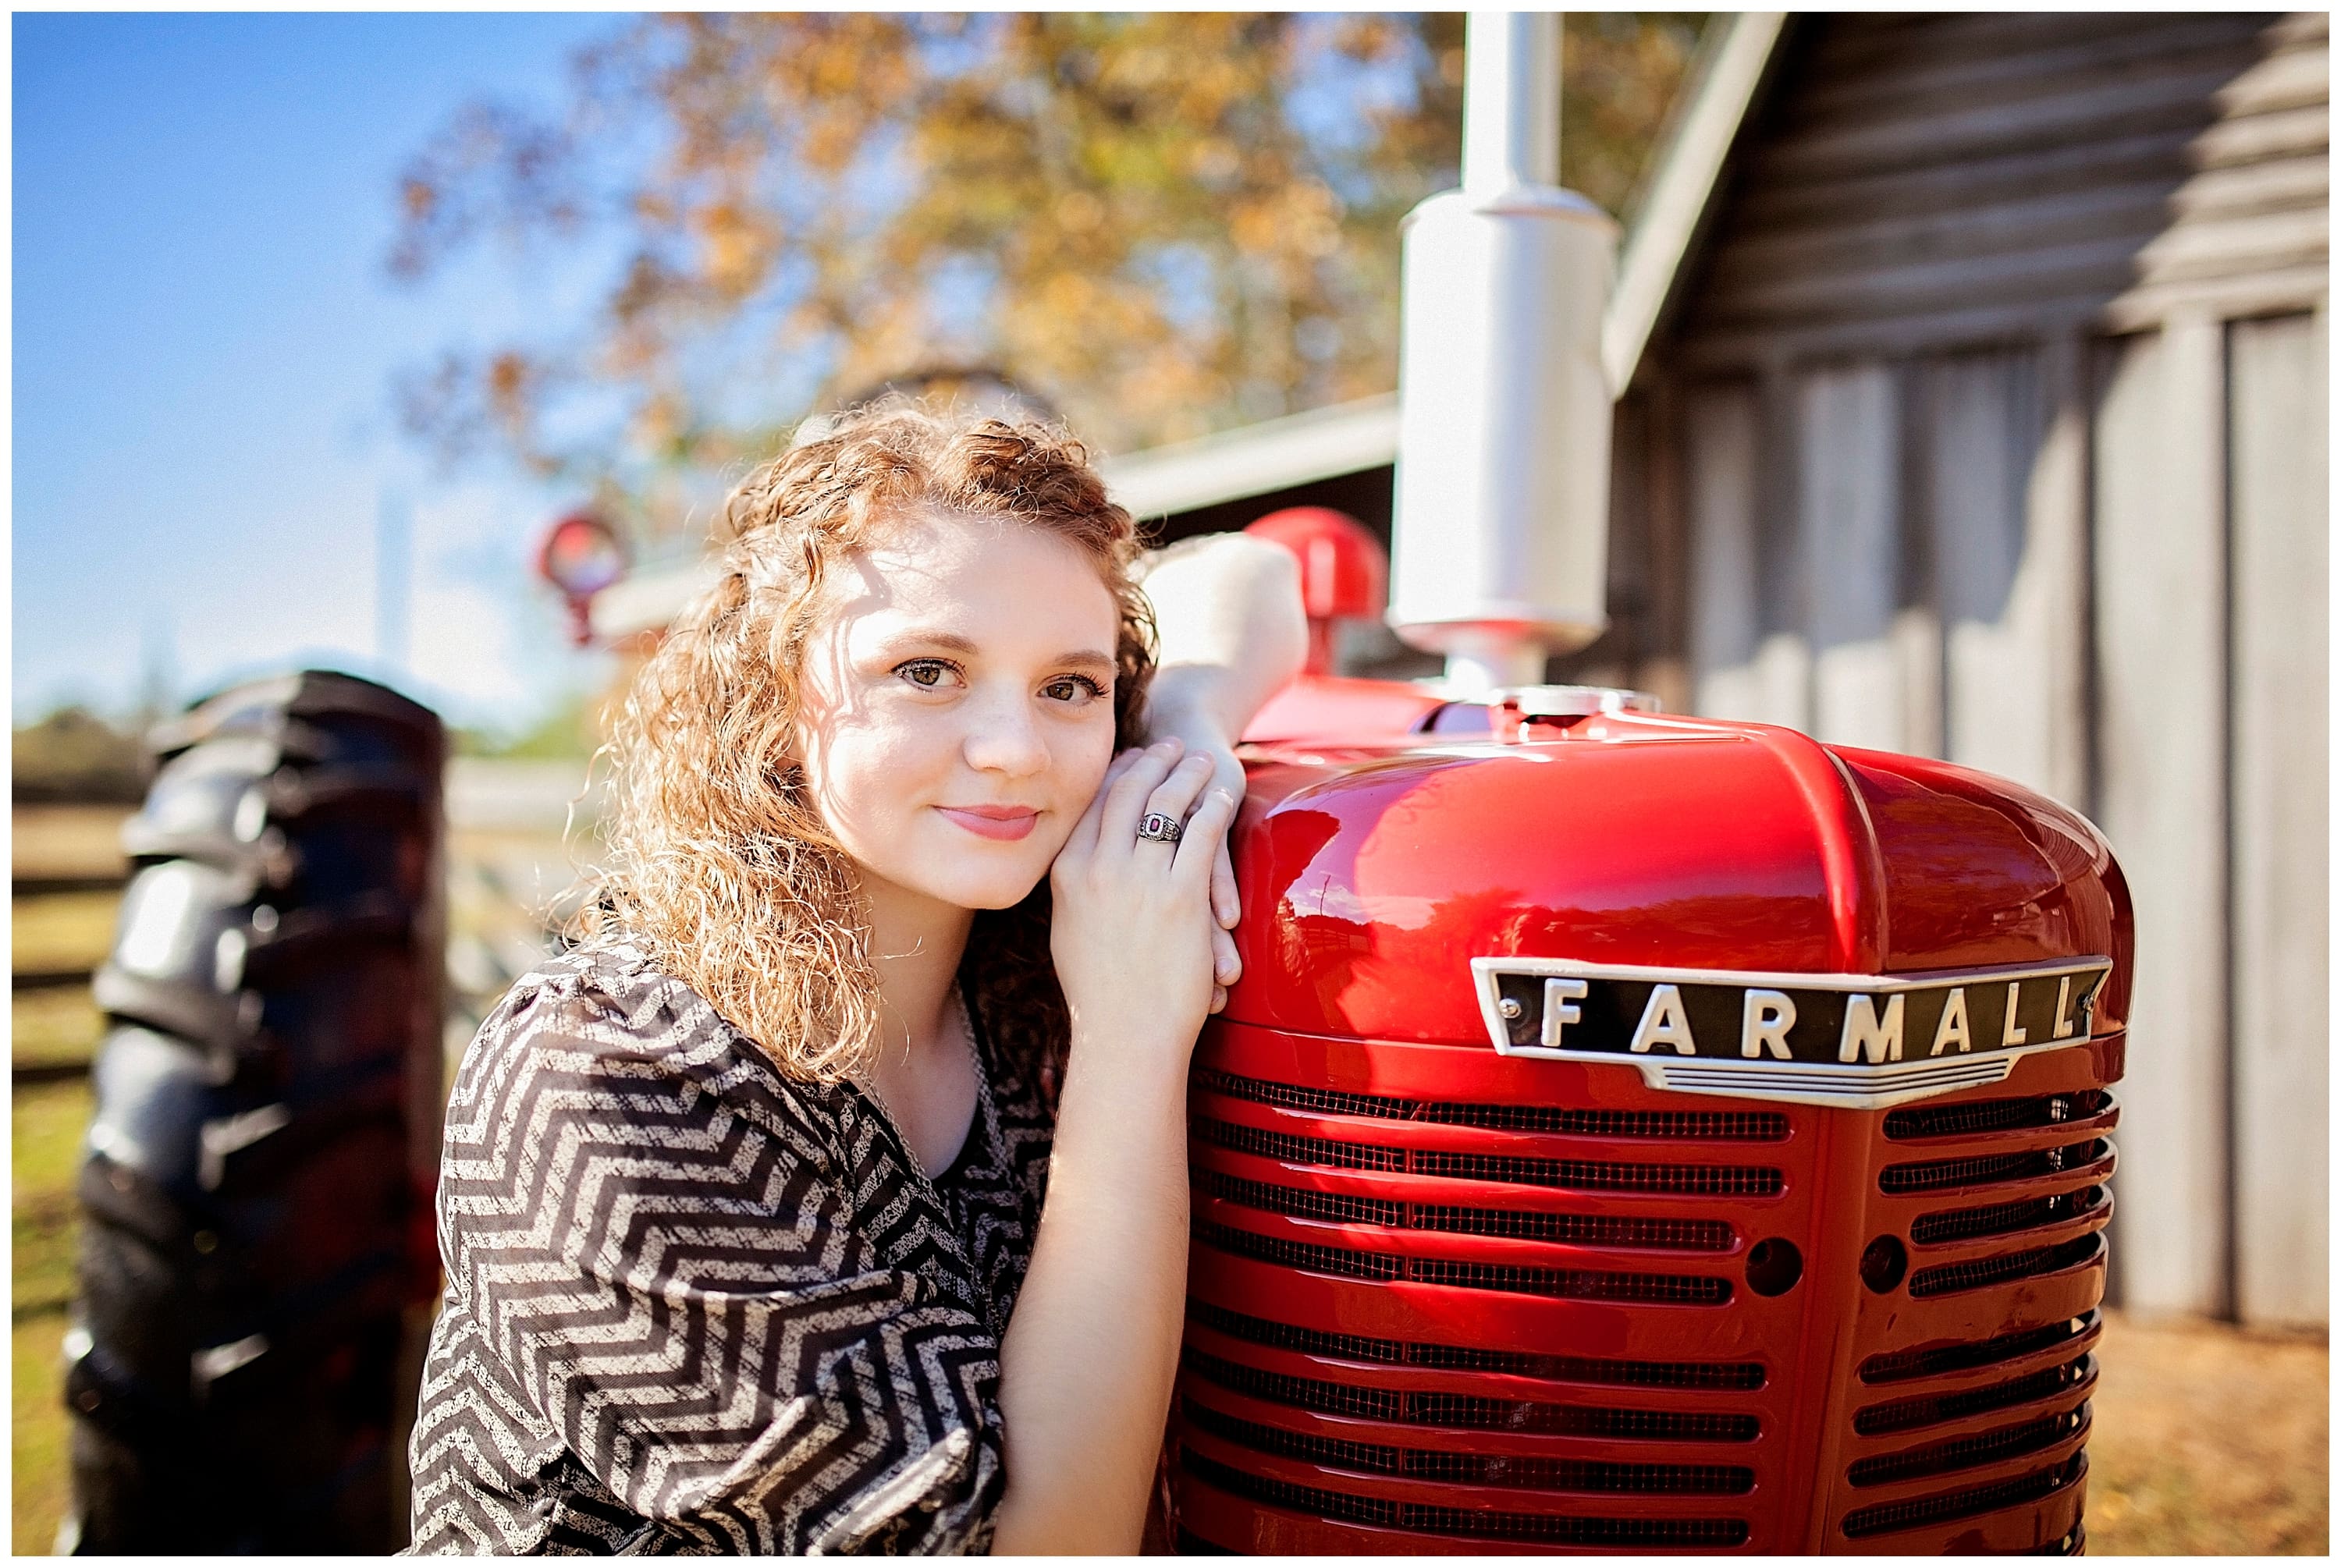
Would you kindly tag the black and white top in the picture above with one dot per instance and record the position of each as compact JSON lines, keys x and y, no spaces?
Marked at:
{"x":693,"y":1305}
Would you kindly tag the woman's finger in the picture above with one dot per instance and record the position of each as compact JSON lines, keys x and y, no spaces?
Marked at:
{"x":1227,"y":964}
{"x":1175,"y":795}
{"x":1083,"y":838}
{"x":1118,"y":822}
{"x":1227,"y":903}
{"x":1219,"y":997}
{"x":1200,"y":842}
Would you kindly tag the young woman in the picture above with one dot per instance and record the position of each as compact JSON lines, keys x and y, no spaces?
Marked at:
{"x":832,"y":1195}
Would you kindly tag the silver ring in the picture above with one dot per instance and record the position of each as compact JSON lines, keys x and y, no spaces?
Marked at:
{"x":1159,"y":827}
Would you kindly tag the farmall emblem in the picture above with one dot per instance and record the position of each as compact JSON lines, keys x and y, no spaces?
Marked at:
{"x":1860,"y":1041}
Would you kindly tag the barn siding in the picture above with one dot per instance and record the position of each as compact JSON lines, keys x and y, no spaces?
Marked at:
{"x":2276,"y":371}
{"x":2001,"y":436}
{"x":2162,"y":798}
{"x":1930,"y":181}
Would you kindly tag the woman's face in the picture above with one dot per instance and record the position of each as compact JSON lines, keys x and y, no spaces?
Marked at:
{"x":957,"y":707}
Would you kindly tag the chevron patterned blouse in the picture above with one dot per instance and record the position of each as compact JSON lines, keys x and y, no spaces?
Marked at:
{"x":694,"y":1306}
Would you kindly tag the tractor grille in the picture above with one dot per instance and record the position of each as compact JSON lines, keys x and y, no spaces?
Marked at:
{"x":2006,"y":1218}
{"x":1735,"y":1374}
{"x":1589,"y":1176}
{"x":2040,"y":1398}
{"x":1557,"y":1530}
{"x":2039,"y":1260}
{"x":1978,"y":1170}
{"x":1902,"y":1365}
{"x":1927,"y":1410}
{"x":1466,"y":1469}
{"x":1966,"y":1453}
{"x":1357,"y":1201}
{"x":1997,"y":1115}
{"x":1891,"y":1516}
{"x":1420,"y":1407}
{"x":1731,"y":1127}
{"x":1578,"y":1284}
{"x":1581,"y":1230}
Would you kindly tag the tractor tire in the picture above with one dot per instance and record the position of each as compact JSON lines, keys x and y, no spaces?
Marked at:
{"x":256,"y":1187}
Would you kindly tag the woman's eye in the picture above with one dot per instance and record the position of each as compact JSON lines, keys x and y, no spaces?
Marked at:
{"x":926,"y":673}
{"x":1072,"y":689}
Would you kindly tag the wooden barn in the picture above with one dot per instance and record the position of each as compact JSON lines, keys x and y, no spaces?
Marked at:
{"x":1973,"y":402}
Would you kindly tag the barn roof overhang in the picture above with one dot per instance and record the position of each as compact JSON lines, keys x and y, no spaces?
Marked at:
{"x":1350,"y":438}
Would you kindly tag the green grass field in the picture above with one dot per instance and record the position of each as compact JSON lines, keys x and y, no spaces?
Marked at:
{"x":46,"y":1126}
{"x":61,"y":931}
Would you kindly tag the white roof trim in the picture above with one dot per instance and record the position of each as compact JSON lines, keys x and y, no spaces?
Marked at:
{"x":1256,"y":459}
{"x":653,"y":600}
{"x":1679,"y":195}
{"x":1302,"y":448}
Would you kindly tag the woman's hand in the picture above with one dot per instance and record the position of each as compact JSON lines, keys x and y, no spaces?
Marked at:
{"x":1175,"y":716}
{"x":1132,"y":929}
{"x":1091,"y":1351}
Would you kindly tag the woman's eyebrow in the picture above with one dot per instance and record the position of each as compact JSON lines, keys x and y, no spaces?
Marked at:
{"x":952,"y":641}
{"x":1088,"y":659}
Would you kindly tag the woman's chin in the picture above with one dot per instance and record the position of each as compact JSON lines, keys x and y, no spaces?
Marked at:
{"x":990,"y":887}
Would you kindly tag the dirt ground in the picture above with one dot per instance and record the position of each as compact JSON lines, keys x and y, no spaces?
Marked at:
{"x":2208,"y":1439}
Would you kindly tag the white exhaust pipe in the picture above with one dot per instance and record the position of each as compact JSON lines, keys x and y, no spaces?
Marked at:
{"x":1502,"y":519}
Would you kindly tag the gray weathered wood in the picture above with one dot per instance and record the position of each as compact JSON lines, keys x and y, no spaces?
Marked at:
{"x":2053,"y":588}
{"x":2159,"y":438}
{"x":1937,"y":181}
{"x":2005,"y":492}
{"x":1981,"y":443}
{"x":1720,"y":442}
{"x":1848,"y":454}
{"x":2278,"y":684}
{"x":1957,"y":213}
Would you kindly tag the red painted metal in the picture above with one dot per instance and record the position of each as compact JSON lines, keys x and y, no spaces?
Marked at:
{"x":1443,"y":1300}
{"x":1344,"y":571}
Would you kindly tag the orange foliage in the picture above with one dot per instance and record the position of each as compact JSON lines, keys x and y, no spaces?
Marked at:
{"x":1162,"y":224}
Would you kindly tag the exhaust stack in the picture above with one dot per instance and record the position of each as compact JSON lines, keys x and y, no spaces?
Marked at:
{"x":1502,"y":519}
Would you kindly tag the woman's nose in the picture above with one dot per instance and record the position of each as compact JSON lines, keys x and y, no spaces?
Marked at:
{"x":1004,"y":738}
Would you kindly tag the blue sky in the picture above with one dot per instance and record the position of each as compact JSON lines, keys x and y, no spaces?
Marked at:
{"x":205,"y":343}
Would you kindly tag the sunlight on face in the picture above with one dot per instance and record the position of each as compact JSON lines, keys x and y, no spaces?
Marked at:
{"x":958,"y":706}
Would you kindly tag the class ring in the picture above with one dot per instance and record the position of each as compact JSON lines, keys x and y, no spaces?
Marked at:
{"x":1160,"y":827}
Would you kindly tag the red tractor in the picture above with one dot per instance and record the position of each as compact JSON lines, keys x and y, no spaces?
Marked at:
{"x":1636,"y":1133}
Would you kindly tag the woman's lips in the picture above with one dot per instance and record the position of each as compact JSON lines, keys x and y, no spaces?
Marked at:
{"x":993,"y":821}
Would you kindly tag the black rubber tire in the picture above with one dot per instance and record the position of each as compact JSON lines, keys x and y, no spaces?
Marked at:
{"x":256,"y":1194}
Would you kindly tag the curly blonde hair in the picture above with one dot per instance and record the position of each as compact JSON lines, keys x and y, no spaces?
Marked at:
{"x":720,"y":866}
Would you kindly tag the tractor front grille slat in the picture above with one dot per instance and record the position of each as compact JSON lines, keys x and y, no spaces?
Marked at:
{"x":1952,"y":1277}
{"x":1967,"y":1453}
{"x":1903,"y":1364}
{"x":1976,"y":1170}
{"x":1476,"y":1469}
{"x":1929,"y":1409}
{"x":2006,"y":1218}
{"x":1725,"y":1375}
{"x":1590,"y":1176}
{"x":1996,"y":1116}
{"x":1519,"y":1279}
{"x":1428,"y":1519}
{"x":1733,"y":1126}
{"x":1420,"y":1407}
{"x":1573,"y":1229}
{"x":1888,"y":1517}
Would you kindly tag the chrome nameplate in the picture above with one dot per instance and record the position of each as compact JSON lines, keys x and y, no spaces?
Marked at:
{"x":1854,"y":1040}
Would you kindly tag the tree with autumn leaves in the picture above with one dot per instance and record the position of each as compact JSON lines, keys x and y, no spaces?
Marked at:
{"x":1162,"y":225}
